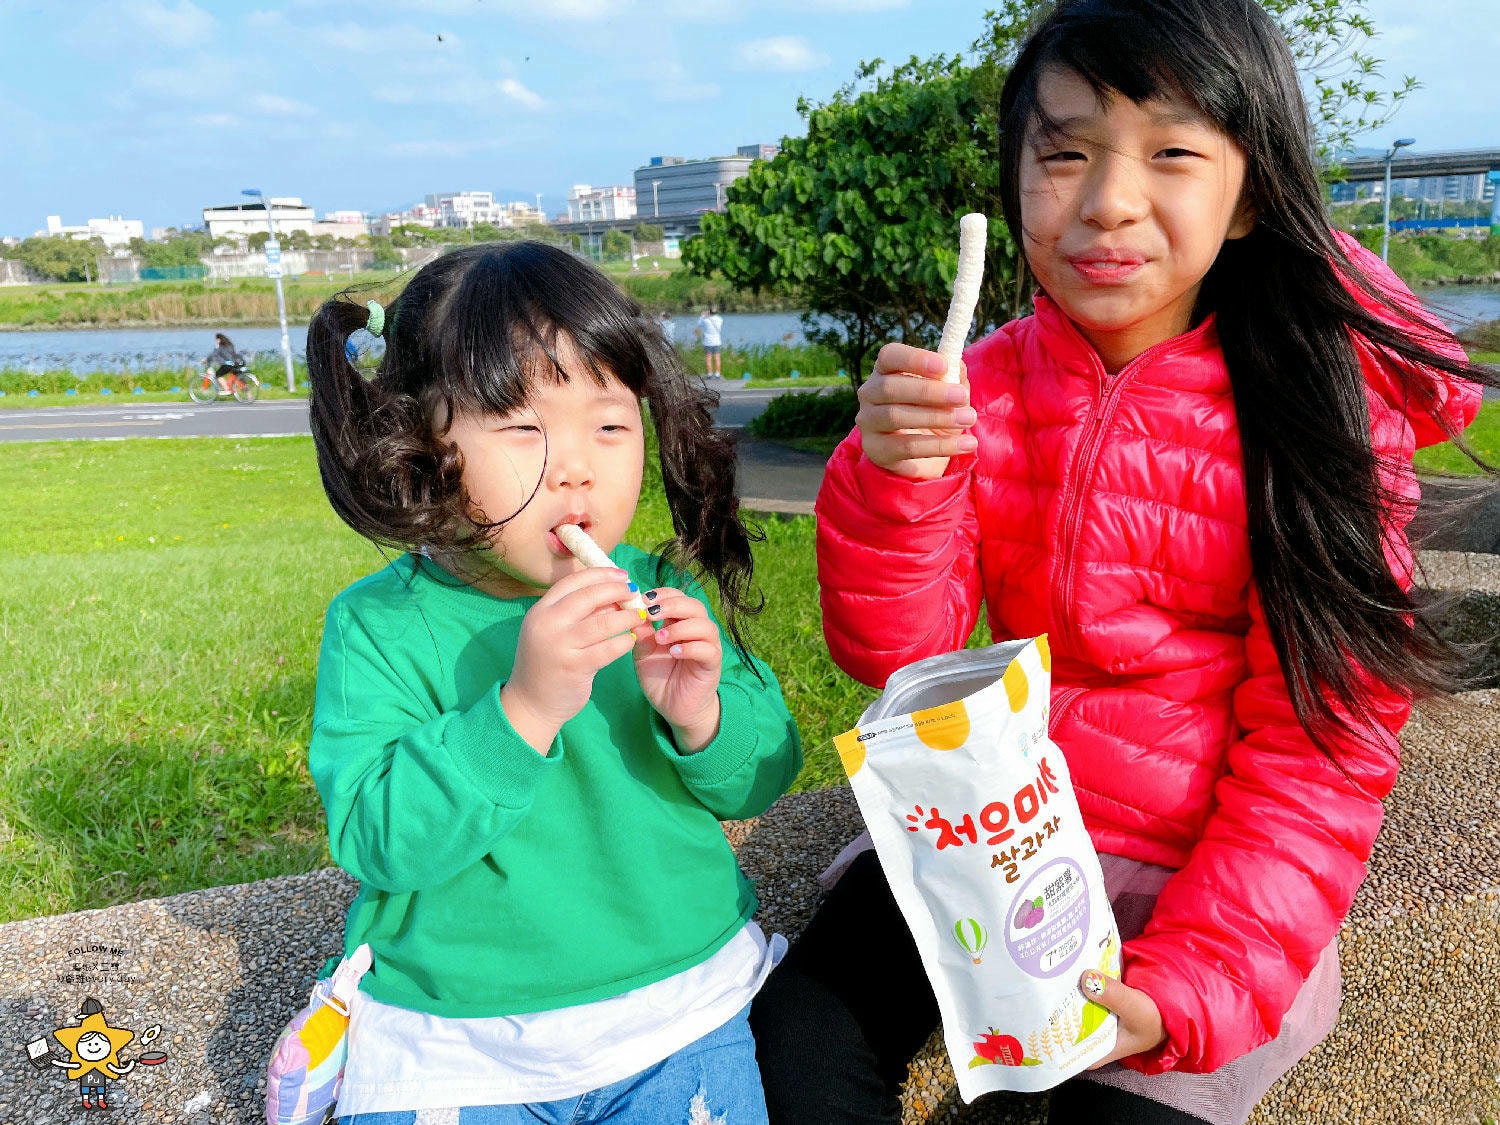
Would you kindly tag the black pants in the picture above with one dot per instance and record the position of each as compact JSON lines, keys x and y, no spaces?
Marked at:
{"x":849,"y":1007}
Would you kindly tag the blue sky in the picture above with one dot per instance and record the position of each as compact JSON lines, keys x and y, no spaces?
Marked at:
{"x":154,"y":108}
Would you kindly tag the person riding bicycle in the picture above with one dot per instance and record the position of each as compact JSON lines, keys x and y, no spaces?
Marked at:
{"x":223,"y":359}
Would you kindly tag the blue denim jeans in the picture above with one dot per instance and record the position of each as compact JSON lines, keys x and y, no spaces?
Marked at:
{"x":713,"y":1081}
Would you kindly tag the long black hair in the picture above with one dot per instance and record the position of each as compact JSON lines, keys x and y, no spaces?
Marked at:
{"x":1288,"y":303}
{"x":469,"y":333}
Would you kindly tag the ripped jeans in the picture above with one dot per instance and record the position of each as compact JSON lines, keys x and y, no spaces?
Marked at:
{"x":713,"y":1081}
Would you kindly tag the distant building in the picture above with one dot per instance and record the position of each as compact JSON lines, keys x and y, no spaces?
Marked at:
{"x":465,"y":208}
{"x":671,"y":186}
{"x":113,"y":231}
{"x":342,"y":224}
{"x":603,"y":204}
{"x":289,"y":213}
{"x":1472,"y":188}
{"x":523,"y":214}
{"x":419,"y":215}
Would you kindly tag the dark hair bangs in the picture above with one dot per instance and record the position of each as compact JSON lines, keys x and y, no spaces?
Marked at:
{"x":500,"y":326}
{"x":1155,"y":50}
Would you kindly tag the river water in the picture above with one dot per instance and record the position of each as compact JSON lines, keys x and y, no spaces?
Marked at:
{"x":86,"y":350}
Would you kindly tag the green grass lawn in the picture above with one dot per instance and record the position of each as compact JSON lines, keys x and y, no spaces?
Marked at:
{"x":1483,"y":436}
{"x":160,"y":610}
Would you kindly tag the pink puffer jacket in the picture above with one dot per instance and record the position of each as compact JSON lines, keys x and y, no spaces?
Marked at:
{"x":1109,"y":512}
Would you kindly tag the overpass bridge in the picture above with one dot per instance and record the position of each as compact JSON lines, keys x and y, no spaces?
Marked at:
{"x":1465,"y":162}
{"x":1411,"y":166}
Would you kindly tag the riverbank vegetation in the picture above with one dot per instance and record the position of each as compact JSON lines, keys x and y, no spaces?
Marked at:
{"x":252,"y":301}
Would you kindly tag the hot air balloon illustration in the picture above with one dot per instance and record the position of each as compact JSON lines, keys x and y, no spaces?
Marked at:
{"x":971,"y":937}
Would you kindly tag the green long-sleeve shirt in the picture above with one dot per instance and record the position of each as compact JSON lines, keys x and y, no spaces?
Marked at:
{"x":497,"y":881}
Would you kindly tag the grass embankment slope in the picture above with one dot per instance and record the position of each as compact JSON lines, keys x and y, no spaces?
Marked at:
{"x":161,"y":604}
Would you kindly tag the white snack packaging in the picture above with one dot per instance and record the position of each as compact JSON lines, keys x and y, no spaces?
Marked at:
{"x":973,"y":816}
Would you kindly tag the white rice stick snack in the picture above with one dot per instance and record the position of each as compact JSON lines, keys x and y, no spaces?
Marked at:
{"x":586,"y":551}
{"x":973,"y":816}
{"x":971,"y":235}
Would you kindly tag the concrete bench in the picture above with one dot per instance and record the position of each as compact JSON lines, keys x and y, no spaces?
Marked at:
{"x":222,"y":970}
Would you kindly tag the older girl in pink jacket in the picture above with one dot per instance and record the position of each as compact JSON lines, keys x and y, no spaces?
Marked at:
{"x":1192,"y":469}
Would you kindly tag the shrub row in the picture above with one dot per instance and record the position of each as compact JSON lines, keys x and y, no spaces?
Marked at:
{"x":807,"y":414}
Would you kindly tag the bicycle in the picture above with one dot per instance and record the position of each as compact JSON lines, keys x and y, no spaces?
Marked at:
{"x":237,"y":383}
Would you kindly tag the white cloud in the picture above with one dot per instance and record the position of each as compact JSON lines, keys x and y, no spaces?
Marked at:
{"x":463,"y":90}
{"x":185,"y":25}
{"x":670,"y":82}
{"x":567,"y":10}
{"x":278,"y":106}
{"x":513,"y":89}
{"x":851,"y":5}
{"x":779,"y":52}
{"x":440,"y":149}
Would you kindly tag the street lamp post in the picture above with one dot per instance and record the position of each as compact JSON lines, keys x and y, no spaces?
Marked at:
{"x":286,"y":342}
{"x":1385,"y":223}
{"x":655,"y":210}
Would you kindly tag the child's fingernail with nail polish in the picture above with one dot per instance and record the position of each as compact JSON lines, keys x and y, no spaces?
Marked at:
{"x":675,"y":650}
{"x":634,"y":589}
{"x":650,"y":595}
{"x":653,"y":609}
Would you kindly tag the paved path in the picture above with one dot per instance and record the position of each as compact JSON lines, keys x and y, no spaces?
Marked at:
{"x":270,"y":418}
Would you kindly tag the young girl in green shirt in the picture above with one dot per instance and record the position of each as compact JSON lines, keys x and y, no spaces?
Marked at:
{"x":524,"y":773}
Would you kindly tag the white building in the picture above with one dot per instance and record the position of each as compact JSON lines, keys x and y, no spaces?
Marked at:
{"x":465,"y":208}
{"x":591,"y":204}
{"x":342,"y":224}
{"x":521,"y":214}
{"x":112,"y":231}
{"x":289,"y":213}
{"x":419,"y":216}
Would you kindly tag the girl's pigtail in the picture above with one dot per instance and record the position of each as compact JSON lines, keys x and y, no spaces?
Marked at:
{"x":384,"y":474}
{"x":699,"y":479}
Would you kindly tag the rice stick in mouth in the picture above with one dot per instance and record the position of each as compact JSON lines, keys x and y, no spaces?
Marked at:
{"x":586,"y":551}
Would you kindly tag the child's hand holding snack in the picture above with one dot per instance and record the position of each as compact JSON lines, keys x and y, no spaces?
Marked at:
{"x":678,"y":665}
{"x":911,"y":421}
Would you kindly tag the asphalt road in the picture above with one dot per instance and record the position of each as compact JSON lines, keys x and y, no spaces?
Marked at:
{"x":274,"y":418}
{"x":772,"y":478}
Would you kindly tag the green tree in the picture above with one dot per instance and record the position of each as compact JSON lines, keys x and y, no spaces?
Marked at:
{"x":257,"y":241}
{"x":649,"y":232}
{"x":858,"y":219}
{"x":61,"y":257}
{"x":615,"y":243}
{"x":179,"y":248}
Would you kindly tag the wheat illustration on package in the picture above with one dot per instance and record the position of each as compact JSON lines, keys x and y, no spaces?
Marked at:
{"x":974,"y":819}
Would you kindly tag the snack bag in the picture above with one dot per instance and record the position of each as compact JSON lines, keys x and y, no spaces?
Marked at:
{"x":973,"y":817}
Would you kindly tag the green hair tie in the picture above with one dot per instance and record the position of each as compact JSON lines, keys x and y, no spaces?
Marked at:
{"x":376,"y":323}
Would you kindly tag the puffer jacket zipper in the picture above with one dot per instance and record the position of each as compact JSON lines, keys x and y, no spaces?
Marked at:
{"x":1082,"y":478}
